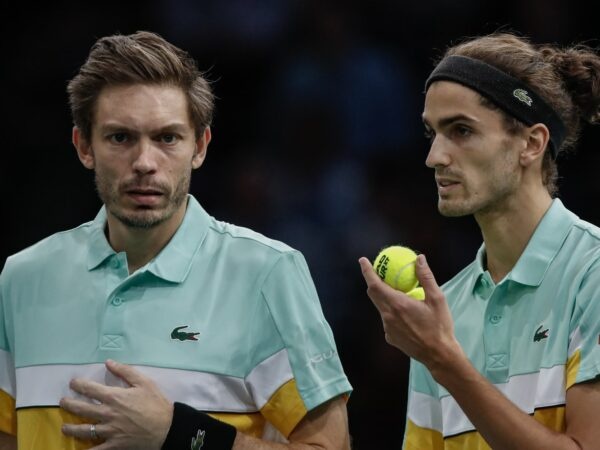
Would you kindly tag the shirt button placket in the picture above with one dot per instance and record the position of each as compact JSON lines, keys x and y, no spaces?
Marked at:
{"x":496,"y":339}
{"x":495,"y":319}
{"x":112,"y":338}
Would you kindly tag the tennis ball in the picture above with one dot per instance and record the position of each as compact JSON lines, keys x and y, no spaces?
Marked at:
{"x":396,"y":266}
{"x":417,"y":293}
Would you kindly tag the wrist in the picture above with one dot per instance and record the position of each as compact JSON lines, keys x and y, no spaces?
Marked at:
{"x":445,"y":362}
{"x":191,"y":428}
{"x":163,"y":428}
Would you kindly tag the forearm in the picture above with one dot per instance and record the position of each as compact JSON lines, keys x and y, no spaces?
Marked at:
{"x":500,"y":422}
{"x":7,"y":442}
{"x":323,"y":428}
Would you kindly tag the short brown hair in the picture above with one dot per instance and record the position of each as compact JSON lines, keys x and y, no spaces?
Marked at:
{"x":144,"y":58}
{"x":568,"y":79}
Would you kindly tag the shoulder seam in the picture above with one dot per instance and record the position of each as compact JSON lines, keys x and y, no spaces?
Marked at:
{"x":588,"y":228}
{"x":258,"y":241}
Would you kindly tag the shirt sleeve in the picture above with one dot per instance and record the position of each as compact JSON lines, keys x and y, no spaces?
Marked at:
{"x":310,"y":350}
{"x":8,"y":419}
{"x":584,"y":343}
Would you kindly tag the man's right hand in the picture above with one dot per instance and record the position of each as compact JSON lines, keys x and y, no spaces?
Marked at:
{"x":423,"y":330}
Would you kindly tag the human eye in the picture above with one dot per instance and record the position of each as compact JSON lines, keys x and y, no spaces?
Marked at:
{"x":118,"y":138}
{"x":169,"y":138}
{"x":462,"y":130}
{"x":429,"y":134}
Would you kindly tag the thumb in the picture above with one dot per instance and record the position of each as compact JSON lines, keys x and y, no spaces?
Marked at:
{"x":426,"y":278}
{"x":132,"y":376}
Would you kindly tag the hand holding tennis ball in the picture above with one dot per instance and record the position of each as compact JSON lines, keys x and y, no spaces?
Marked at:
{"x":395,"y":265}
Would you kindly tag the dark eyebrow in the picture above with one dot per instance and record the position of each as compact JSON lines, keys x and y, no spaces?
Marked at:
{"x":113,"y":128}
{"x":174,"y":127}
{"x":450,"y":120}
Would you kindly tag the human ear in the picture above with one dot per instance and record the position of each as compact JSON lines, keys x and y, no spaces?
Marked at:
{"x":537,"y":140}
{"x":84,"y":149}
{"x":201,"y":147}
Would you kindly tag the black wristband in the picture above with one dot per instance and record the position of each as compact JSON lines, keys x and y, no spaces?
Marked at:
{"x":193,"y":430}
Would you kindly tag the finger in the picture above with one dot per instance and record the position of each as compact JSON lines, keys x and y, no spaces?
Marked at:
{"x":91,"y":389}
{"x":82,"y":431}
{"x":104,"y":446}
{"x":132,"y":376}
{"x":379,"y":292}
{"x":426,"y":278}
{"x":83,"y":409}
{"x":368,"y":272}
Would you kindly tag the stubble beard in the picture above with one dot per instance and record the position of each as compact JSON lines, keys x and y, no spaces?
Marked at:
{"x":502,"y":183}
{"x":142,"y":218}
{"x":447,"y":209}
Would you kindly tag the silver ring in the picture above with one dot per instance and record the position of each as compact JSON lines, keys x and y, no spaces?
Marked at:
{"x":93,"y":434}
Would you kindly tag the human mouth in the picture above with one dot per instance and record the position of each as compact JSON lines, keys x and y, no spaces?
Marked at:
{"x":446,"y":185}
{"x":144,"y":196}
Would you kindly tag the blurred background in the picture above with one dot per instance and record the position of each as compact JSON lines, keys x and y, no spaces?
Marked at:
{"x":317,"y":140}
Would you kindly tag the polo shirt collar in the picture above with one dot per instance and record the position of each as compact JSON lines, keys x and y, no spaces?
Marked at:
{"x":175,"y":259}
{"x":478,"y":269}
{"x":98,"y":247}
{"x":541,"y":249}
{"x":544,"y":245}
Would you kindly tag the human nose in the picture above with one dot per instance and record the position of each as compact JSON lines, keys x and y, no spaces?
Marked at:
{"x":145,"y":157}
{"x":438,"y":155}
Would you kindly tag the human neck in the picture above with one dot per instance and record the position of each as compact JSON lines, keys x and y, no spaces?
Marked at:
{"x":507,"y":228}
{"x":142,"y":244}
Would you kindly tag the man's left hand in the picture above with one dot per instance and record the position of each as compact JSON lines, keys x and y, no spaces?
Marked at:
{"x":137,"y":417}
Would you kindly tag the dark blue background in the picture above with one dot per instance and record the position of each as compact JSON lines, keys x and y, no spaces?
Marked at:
{"x":317,"y":140}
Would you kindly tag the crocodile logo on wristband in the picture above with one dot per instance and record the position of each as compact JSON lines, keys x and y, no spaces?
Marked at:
{"x":198,"y":441}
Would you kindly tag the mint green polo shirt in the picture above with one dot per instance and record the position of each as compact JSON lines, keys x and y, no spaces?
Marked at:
{"x":533,"y":335}
{"x":223,"y":319}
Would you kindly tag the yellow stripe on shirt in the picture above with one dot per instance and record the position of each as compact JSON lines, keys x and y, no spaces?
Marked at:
{"x":8,"y":419}
{"x":285,"y":409}
{"x":573,"y":368}
{"x":252,"y":424}
{"x":418,"y":438}
{"x":553,"y":418}
{"x":39,"y":428}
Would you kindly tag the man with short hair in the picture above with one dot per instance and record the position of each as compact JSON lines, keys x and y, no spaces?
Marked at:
{"x":221,"y":328}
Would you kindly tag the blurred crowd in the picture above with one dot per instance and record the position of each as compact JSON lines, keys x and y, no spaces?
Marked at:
{"x":317,"y":141}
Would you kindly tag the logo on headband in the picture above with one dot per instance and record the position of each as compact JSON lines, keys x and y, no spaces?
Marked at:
{"x":523,"y":96}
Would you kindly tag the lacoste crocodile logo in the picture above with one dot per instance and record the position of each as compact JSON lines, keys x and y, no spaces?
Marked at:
{"x":198,"y":441}
{"x":523,"y":96}
{"x":183,"y":335}
{"x":540,"y":334}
